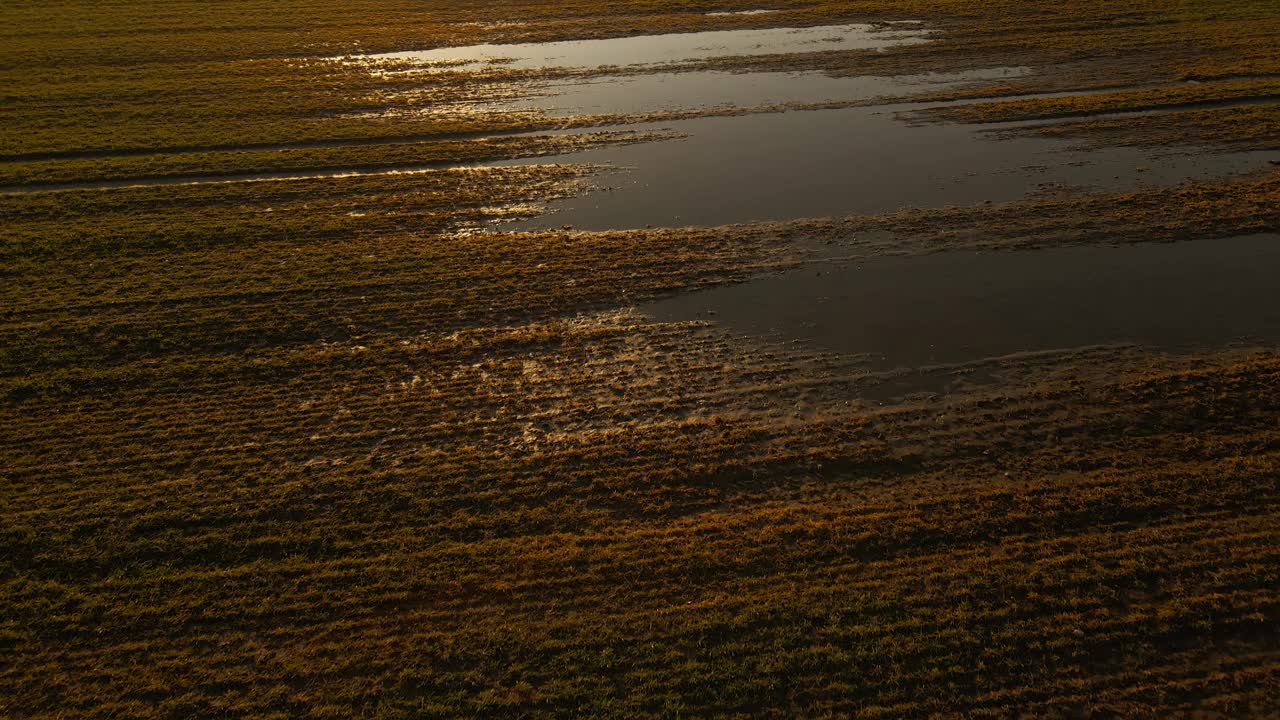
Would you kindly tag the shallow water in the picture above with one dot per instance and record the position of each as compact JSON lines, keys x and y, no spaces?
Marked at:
{"x":732,"y":13}
{"x":958,"y":307}
{"x":780,"y":166}
{"x":761,"y":166}
{"x":689,"y":90}
{"x":668,"y":48}
{"x":900,"y":312}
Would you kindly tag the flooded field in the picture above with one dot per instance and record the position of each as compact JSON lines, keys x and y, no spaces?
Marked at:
{"x":688,"y":144}
{"x":708,"y":89}
{"x":779,"y":166}
{"x":643,"y":359}
{"x":954,"y":307}
{"x":878,"y":157}
{"x":657,"y":50}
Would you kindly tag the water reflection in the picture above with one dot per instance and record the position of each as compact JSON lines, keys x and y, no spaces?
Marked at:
{"x":780,"y":166}
{"x":703,"y":89}
{"x":670,"y":48}
{"x":962,"y":306}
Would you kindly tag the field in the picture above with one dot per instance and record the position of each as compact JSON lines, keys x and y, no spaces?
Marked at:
{"x":332,"y":446}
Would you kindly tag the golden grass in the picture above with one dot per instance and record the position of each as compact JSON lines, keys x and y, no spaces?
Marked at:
{"x":157,"y":75}
{"x":1252,"y":127}
{"x":342,"y":158}
{"x":1226,"y":92}
{"x":422,"y":528}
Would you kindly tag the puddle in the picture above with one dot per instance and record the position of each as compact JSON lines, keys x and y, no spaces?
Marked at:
{"x":709,"y":89}
{"x":959,"y":307}
{"x":822,"y":163}
{"x":739,"y":13}
{"x":648,"y":50}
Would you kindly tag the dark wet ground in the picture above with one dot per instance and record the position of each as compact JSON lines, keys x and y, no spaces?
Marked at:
{"x":957,"y":307}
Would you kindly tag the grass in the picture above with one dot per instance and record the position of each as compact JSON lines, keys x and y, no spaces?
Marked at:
{"x":382,"y":156}
{"x":443,"y":507}
{"x":316,"y":448}
{"x":163,"y":75}
{"x":1222,"y":93}
{"x":1252,"y":127}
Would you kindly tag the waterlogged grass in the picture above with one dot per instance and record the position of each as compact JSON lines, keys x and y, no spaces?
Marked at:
{"x":1193,"y":211}
{"x":317,"y":448}
{"x":161,"y":75}
{"x":92,"y":223}
{"x":1225,"y":92}
{"x":1251,"y":127}
{"x":105,"y":277}
{"x":355,"y":157}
